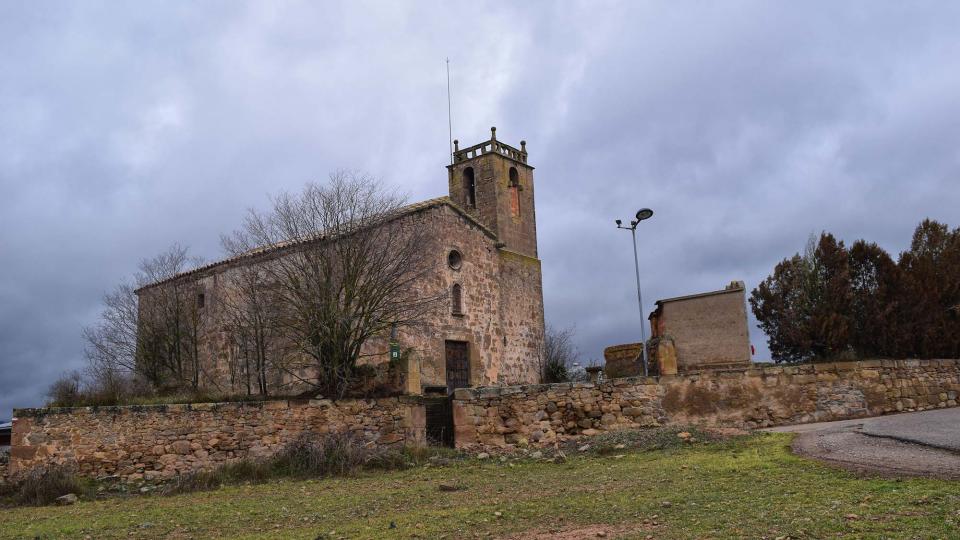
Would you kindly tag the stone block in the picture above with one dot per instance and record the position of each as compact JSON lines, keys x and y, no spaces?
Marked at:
{"x":666,"y":356}
{"x":276,"y":405}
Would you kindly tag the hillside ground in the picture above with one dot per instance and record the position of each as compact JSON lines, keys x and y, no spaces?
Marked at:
{"x":747,"y":487}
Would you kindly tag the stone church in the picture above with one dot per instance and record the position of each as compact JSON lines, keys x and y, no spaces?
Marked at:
{"x":492,"y":330}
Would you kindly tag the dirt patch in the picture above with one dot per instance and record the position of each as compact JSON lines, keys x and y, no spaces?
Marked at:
{"x":577,"y":533}
{"x":722,"y":433}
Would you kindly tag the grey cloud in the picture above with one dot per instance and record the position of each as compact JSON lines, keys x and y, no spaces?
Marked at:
{"x":746,"y":126}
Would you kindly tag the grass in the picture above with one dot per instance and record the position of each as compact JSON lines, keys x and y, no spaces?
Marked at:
{"x":310,"y":456}
{"x":749,"y":487}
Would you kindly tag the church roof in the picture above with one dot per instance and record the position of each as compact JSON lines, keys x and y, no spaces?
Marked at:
{"x":402,"y":212}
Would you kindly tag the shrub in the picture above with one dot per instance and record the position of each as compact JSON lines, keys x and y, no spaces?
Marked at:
{"x":312,"y":455}
{"x":66,"y":391}
{"x":558,"y":355}
{"x":309,"y":456}
{"x":235,"y":472}
{"x":42,"y":486}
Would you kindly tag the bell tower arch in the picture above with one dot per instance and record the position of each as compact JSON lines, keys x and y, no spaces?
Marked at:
{"x":494,"y":183}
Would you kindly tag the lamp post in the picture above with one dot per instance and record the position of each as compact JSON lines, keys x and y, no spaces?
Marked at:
{"x":642,"y":214}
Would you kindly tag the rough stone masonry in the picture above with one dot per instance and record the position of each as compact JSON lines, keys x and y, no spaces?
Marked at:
{"x":766,"y":396}
{"x":483,"y":241}
{"x":157,"y":442}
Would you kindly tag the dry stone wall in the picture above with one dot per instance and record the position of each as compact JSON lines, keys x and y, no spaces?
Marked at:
{"x":152,"y":443}
{"x":4,"y":465}
{"x":746,"y":398}
{"x":160,"y":441}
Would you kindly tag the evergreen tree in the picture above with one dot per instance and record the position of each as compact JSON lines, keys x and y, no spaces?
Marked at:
{"x":928,"y":323}
{"x":875,"y":282}
{"x":831,"y":302}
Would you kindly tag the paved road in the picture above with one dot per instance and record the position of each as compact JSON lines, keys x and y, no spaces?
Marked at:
{"x":911,"y":444}
{"x":938,"y":428}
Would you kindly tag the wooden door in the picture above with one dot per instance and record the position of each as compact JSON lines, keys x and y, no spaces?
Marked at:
{"x":439,"y":420}
{"x":458,"y":365}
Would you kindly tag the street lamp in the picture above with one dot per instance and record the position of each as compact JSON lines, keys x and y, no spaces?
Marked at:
{"x":642,"y":214}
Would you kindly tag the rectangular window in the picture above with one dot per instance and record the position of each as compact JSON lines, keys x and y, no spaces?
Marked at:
{"x":457,"y":300}
{"x":201,"y":300}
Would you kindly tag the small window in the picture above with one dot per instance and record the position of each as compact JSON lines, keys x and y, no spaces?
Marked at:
{"x":456,"y":300}
{"x":469,"y":187}
{"x":201,"y":300}
{"x":514,"y":192}
{"x":455,"y":259}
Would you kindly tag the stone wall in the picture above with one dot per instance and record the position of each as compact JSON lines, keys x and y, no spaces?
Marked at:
{"x":159,"y":441}
{"x":156,"y":442}
{"x":623,"y":360}
{"x":4,"y":465}
{"x":747,"y":398}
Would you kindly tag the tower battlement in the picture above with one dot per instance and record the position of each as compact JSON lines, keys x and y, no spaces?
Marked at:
{"x":493,"y":182}
{"x":490,"y":146}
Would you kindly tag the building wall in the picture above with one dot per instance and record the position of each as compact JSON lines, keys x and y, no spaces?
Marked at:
{"x":502,"y":308}
{"x":501,"y":319}
{"x":709,"y":330}
{"x":518,"y":232}
{"x":160,"y":441}
{"x":745,"y":398}
{"x":521,"y":316}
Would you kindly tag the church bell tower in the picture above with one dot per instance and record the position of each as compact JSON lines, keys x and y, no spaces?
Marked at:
{"x":493,"y":182}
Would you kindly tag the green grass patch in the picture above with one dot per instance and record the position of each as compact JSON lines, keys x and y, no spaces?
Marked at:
{"x":749,"y":487}
{"x":312,"y":456}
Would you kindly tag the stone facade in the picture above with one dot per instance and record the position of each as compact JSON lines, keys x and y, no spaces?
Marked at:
{"x":160,"y":441}
{"x":708,"y":329}
{"x":501,"y":312}
{"x":500,"y":317}
{"x":493,"y":182}
{"x":746,"y":398}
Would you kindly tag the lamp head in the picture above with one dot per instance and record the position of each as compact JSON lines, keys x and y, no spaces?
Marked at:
{"x":644,"y":213}
{"x":619,"y":223}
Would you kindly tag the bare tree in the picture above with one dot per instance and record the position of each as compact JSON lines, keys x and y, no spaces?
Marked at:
{"x":249,"y":313}
{"x":169,"y":322}
{"x":558,"y":355}
{"x":111,"y":344}
{"x":66,"y":391}
{"x":154,"y":340}
{"x":344,"y":265}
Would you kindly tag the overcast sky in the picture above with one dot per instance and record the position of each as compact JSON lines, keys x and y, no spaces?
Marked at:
{"x":746,"y":126}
